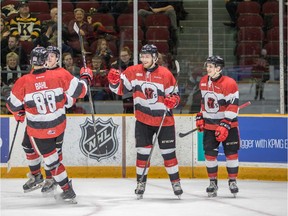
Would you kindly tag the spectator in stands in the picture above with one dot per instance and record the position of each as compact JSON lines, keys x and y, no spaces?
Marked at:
{"x":231,"y":7}
{"x":168,"y":61}
{"x":180,"y":11}
{"x":47,"y":23}
{"x":12,"y":66}
{"x":162,"y":60}
{"x":53,"y":23}
{"x":86,"y":30}
{"x":25,"y":25}
{"x":161,"y":7}
{"x":100,"y":82}
{"x":4,"y":109}
{"x":124,"y":61}
{"x":104,"y":51}
{"x":69,"y":64}
{"x":14,"y":46}
{"x":114,"y":7}
{"x":50,"y":38}
{"x":101,"y":31}
{"x":260,"y":73}
{"x":5,"y":91}
{"x":4,"y":33}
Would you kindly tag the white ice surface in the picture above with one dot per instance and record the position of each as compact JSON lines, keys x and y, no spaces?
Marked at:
{"x":115,"y":197}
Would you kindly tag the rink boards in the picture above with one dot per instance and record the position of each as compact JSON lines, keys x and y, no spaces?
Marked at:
{"x":263,"y":153}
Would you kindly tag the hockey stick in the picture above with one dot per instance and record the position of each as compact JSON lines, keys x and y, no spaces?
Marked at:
{"x":160,"y":127}
{"x":195,"y":129}
{"x":12,"y":145}
{"x":77,"y":30}
{"x":187,"y":133}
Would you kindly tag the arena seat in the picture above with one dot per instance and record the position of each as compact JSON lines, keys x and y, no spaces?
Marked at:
{"x":254,"y":20}
{"x":248,"y":7}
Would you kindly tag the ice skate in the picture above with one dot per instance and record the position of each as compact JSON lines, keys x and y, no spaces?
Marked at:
{"x":49,"y":186}
{"x":233,"y":187}
{"x":67,"y":195}
{"x":177,"y":189}
{"x":212,"y":188}
{"x":139,"y":191}
{"x":35,"y":182}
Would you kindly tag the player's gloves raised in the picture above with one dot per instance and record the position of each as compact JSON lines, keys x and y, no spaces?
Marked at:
{"x":200,"y":123}
{"x":87,"y":74}
{"x":20,"y":116}
{"x":171,"y":101}
{"x":114,"y":76}
{"x":222,"y":130}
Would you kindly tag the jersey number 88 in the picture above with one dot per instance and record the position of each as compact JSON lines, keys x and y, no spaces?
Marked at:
{"x":39,"y":99}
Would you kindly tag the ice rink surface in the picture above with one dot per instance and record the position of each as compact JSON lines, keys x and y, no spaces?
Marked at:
{"x":115,"y":197}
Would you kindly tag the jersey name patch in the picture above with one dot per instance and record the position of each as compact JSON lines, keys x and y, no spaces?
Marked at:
{"x":41,"y":85}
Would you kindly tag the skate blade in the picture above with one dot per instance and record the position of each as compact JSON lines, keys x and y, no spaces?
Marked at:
{"x":52,"y":189}
{"x":34,"y":188}
{"x":234,"y":195}
{"x":50,"y":192}
{"x":213,"y":194}
{"x":179,"y":197}
{"x":71,"y":201}
{"x":139,"y":196}
{"x":58,"y":198}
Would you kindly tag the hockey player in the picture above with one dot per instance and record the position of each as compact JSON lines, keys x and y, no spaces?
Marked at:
{"x":218,"y":120}
{"x":154,"y":90}
{"x":52,"y":63}
{"x":41,"y":95}
{"x":34,"y":161}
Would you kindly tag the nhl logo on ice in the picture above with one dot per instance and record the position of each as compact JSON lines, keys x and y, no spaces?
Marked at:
{"x":106,"y":139}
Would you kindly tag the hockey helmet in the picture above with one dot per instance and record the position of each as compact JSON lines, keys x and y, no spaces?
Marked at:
{"x":216,"y":60}
{"x":53,"y":49}
{"x":38,"y":56}
{"x":150,"y":49}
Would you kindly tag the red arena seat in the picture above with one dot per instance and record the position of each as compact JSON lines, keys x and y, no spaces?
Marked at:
{"x":250,"y":34}
{"x":250,"y":21}
{"x":248,"y":7}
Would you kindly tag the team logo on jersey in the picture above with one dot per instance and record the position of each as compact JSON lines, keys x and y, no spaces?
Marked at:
{"x":105,"y":138}
{"x":150,"y":91}
{"x":211,"y":103}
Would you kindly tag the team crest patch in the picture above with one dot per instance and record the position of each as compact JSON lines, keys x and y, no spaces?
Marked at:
{"x":106,"y":139}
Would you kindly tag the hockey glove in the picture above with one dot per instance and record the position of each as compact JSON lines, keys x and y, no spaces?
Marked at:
{"x":222,"y":131}
{"x":200,"y":123}
{"x":114,"y":76}
{"x":20,"y":116}
{"x":171,"y":101}
{"x":87,"y":74}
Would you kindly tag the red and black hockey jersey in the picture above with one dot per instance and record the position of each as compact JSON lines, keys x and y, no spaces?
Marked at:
{"x":42,"y":96}
{"x":149,"y":90}
{"x":220,"y":99}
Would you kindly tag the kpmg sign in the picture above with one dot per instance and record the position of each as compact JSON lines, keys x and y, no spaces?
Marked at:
{"x":263,"y":139}
{"x":4,"y":139}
